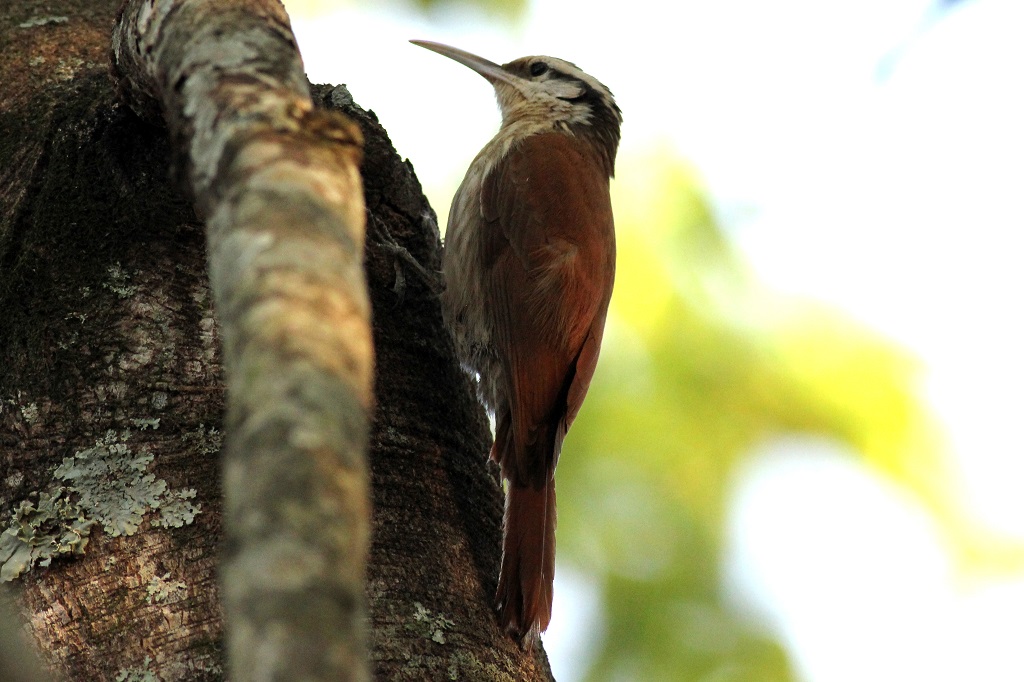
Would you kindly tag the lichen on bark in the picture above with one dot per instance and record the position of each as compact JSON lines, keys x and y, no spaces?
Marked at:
{"x":108,"y":323}
{"x":109,"y":484}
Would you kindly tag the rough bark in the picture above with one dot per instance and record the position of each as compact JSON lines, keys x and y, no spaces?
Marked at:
{"x":278,"y":184}
{"x":109,"y":355}
{"x":436,"y":542}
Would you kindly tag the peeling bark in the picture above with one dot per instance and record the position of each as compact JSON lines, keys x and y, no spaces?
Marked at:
{"x":110,"y":352}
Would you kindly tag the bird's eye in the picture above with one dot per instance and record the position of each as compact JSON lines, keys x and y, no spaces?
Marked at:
{"x":538,"y":68}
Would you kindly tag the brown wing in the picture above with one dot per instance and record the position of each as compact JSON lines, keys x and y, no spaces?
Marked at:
{"x":549,"y":254}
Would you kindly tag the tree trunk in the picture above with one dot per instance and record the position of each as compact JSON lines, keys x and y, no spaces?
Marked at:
{"x":112,"y":398}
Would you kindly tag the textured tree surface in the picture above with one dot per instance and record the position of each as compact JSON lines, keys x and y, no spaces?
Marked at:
{"x":277,"y":183}
{"x":111,"y":393}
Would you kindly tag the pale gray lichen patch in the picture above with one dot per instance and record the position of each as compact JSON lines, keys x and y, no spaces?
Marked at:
{"x":146,"y":423}
{"x":158,"y":400}
{"x":67,"y":68}
{"x":463,"y":665}
{"x":429,"y":624}
{"x":130,"y":362}
{"x":114,"y":486}
{"x":120,"y":282}
{"x":42,"y":21}
{"x":109,"y":484}
{"x":206,"y":441}
{"x":113,"y":483}
{"x":189,"y":669}
{"x":115,"y":390}
{"x":30,"y":413}
{"x":162,"y":588}
{"x":194,"y":369}
{"x":143,"y":674}
{"x":42,"y":530}
{"x":177,"y":509}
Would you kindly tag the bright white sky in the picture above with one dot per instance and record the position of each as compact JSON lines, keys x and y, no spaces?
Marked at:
{"x":858,"y":153}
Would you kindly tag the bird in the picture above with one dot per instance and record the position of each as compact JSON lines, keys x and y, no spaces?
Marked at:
{"x":528,"y":266}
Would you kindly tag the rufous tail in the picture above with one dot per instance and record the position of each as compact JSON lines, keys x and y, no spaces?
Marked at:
{"x":526,"y":582}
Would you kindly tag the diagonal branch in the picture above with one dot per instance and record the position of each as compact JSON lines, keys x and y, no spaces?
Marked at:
{"x":278,"y":184}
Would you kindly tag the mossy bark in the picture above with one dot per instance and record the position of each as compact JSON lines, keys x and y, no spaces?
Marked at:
{"x":107,"y":325}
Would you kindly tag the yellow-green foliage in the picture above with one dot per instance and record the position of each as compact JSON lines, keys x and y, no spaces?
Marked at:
{"x":700,"y":364}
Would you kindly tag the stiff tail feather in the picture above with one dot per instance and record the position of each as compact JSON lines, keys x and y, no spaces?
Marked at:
{"x":526,"y":582}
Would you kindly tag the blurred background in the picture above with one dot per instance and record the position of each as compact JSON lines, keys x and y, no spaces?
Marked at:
{"x":802,"y":455}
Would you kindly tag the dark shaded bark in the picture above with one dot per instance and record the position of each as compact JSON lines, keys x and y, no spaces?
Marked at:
{"x":437,"y":506}
{"x":108,"y":337}
{"x":106,"y":325}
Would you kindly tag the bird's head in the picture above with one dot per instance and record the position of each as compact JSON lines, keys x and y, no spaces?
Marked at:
{"x":546,"y":92}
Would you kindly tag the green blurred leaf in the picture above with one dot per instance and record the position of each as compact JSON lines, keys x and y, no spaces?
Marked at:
{"x":700,"y":364}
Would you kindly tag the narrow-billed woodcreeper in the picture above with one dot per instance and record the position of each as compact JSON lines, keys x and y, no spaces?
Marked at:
{"x":529,"y":262}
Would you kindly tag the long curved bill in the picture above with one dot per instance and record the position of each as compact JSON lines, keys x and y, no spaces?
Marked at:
{"x":485,"y":67}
